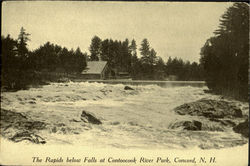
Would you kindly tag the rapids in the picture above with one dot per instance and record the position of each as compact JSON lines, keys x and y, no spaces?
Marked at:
{"x":139,"y":118}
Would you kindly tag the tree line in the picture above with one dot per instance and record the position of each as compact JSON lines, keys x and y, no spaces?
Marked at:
{"x":184,"y":70}
{"x":21,"y":67}
{"x":225,"y":56}
{"x":122,"y":56}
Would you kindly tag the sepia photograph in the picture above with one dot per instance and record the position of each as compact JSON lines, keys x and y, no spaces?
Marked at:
{"x":124,"y":83}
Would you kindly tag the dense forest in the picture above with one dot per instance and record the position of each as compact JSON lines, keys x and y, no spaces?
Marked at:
{"x":122,"y":55}
{"x":21,"y":67}
{"x":225,"y":56}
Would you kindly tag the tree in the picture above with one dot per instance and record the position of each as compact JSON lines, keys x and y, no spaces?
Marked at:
{"x":134,"y":59}
{"x":145,"y":51}
{"x":133,"y":47}
{"x":224,"y":56}
{"x":23,"y":38}
{"x":159,"y":68}
{"x":10,"y":63}
{"x":95,"y":48}
{"x":8,"y":53}
{"x":126,"y":56}
{"x":152,"y":57}
{"x":105,"y":50}
{"x":148,"y":59}
{"x":22,"y":49}
{"x":79,"y":60}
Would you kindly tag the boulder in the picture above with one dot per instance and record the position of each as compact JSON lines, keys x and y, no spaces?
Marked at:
{"x":32,"y":102}
{"x":242,"y":128}
{"x":8,"y":116}
{"x":224,"y":122}
{"x":210,"y":109}
{"x":74,"y":120}
{"x":187,"y":125}
{"x":29,"y":136}
{"x":88,"y":117}
{"x":17,"y":127}
{"x":128,"y":88}
{"x":19,"y":121}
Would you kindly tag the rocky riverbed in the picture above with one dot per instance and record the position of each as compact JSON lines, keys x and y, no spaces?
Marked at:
{"x":119,"y":116}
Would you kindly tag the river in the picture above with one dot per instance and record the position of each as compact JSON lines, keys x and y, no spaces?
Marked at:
{"x":137,"y":118}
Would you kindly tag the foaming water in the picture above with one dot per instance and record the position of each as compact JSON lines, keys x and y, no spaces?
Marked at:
{"x":164,"y":84}
{"x":139,"y":118}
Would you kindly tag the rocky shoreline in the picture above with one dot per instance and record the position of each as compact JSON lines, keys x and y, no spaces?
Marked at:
{"x":18,"y":127}
{"x":224,"y":113}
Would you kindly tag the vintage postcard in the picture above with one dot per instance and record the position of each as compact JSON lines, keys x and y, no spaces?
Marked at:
{"x":124,"y":83}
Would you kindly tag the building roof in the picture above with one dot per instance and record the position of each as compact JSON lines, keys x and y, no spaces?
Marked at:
{"x":94,"y":67}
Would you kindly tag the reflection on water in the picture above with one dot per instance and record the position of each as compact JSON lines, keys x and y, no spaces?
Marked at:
{"x":163,"y":84}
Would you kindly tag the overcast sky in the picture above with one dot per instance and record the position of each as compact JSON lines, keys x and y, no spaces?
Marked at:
{"x":173,"y":29}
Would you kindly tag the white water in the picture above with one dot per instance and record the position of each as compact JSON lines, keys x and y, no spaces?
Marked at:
{"x":131,"y":119}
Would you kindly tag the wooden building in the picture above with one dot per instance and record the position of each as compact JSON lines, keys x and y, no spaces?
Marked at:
{"x":96,"y":70}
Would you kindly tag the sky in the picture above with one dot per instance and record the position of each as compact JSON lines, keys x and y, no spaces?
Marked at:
{"x":176,"y":29}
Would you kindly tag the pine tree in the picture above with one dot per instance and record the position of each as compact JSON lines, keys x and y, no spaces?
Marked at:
{"x":225,"y":56}
{"x":133,"y":48}
{"x":95,"y":48}
{"x":134,"y":59}
{"x":145,"y":51}
{"x":23,"y":38}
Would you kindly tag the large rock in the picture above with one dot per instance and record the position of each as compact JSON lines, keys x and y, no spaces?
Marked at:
{"x":17,"y":127}
{"x":29,"y":136}
{"x":187,"y":125}
{"x":8,"y":116}
{"x":242,"y":128}
{"x":88,"y":117}
{"x":19,"y":121}
{"x":224,"y":122}
{"x":128,"y":88}
{"x":210,"y":109}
